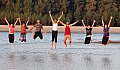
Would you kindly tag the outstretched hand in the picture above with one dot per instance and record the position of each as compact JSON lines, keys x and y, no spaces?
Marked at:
{"x":50,"y":12}
{"x":28,"y":17}
{"x":111,"y":17}
{"x":82,"y":21}
{"x":102,"y":17}
{"x":5,"y":18}
{"x":17,"y":18}
{"x":29,"y":31}
{"x":45,"y":33}
{"x":62,"y":12}
{"x":94,"y":21}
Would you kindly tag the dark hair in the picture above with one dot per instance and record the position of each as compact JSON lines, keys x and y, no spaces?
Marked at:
{"x":105,"y":24}
{"x":12,"y":23}
{"x":23,"y":22}
{"x":89,"y":25}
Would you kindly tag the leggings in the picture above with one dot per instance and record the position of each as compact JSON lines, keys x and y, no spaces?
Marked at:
{"x":11,"y":38}
{"x":105,"y":40}
{"x":87,"y":40}
{"x":54,"y":35}
{"x":38,"y":34}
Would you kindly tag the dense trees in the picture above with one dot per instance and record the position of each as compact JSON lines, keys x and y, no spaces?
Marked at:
{"x":73,"y":10}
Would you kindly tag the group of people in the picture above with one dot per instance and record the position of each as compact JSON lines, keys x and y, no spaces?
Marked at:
{"x":55,"y":22}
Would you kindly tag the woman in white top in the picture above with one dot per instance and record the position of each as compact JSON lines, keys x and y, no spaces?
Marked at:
{"x":55,"y":28}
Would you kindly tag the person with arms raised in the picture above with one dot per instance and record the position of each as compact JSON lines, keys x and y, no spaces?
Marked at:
{"x":55,"y":28}
{"x":106,"y":31}
{"x":88,"y":32}
{"x":38,"y":32}
{"x":67,"y":32}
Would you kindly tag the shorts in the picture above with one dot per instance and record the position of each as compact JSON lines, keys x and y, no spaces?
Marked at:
{"x":11,"y":38}
{"x":67,"y":36}
{"x":105,"y":40}
{"x":54,"y":35}
{"x":87,"y":40}
{"x":23,"y":37}
{"x":38,"y":34}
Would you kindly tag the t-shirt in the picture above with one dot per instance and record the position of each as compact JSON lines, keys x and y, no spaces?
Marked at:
{"x":88,"y":31}
{"x":67,"y":30}
{"x":23,"y":29}
{"x":11,"y":30}
{"x":38,"y":27}
{"x":106,"y":31}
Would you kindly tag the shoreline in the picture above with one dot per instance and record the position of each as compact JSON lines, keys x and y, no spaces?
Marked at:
{"x":74,"y":29}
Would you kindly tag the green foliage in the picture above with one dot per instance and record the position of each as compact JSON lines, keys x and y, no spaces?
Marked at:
{"x":88,"y":10}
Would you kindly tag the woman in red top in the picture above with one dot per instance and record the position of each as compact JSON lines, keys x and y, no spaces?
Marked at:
{"x":67,"y":32}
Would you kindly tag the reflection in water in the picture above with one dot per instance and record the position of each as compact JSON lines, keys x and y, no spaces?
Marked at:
{"x":39,"y":59}
{"x":67,"y":58}
{"x":67,"y":62}
{"x":23,"y":57}
{"x":88,"y":61}
{"x":106,"y":62}
{"x":11,"y":61}
{"x":54,"y":57}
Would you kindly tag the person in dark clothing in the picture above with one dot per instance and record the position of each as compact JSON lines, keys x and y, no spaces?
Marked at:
{"x":88,"y":32}
{"x":106,"y":31}
{"x":38,"y":29}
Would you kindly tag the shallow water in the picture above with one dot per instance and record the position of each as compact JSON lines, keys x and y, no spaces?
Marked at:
{"x":37,"y":55}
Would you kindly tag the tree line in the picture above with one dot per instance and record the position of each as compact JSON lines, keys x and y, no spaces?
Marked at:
{"x":88,"y":10}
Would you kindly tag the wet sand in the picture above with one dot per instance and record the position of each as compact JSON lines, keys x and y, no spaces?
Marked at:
{"x":74,"y":29}
{"x":79,"y":57}
{"x":37,"y":55}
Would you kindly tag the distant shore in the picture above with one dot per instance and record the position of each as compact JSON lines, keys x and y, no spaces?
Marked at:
{"x":74,"y":29}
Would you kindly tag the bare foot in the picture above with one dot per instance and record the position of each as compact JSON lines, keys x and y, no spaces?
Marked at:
{"x":51,"y":46}
{"x":110,"y":41}
{"x":65,"y":46}
{"x":20,"y":39}
{"x":70,"y":45}
{"x":104,"y":44}
{"x":55,"y":47}
{"x":33,"y":35}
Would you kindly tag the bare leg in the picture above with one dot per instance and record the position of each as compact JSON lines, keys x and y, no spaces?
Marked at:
{"x":55,"y":44}
{"x":65,"y":44}
{"x":69,"y":40}
{"x":33,"y":35}
{"x":70,"y":43}
{"x":65,"y":38}
{"x":52,"y":44}
{"x":20,"y":37}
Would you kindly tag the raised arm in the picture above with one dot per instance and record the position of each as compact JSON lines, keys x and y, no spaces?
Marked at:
{"x":16,"y":21}
{"x":93,"y":23}
{"x":44,"y":31}
{"x":110,"y":21}
{"x":20,"y":22}
{"x":51,"y":16}
{"x":83,"y":24}
{"x":31,"y":28}
{"x":62,"y":23}
{"x":60,"y":17}
{"x":102,"y":21}
{"x":7,"y":21}
{"x":74,"y":23}
{"x":27,"y":21}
